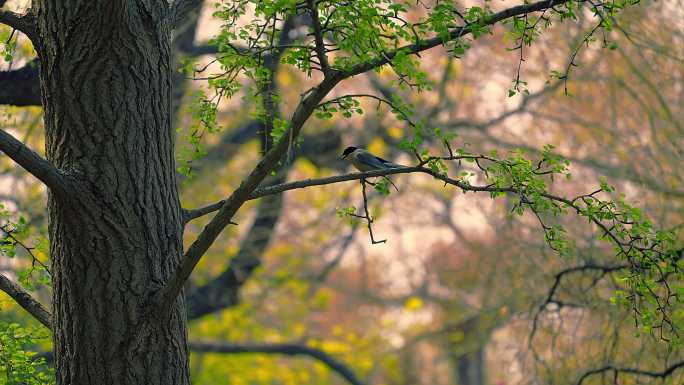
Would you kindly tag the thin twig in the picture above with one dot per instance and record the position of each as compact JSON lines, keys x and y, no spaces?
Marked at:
{"x":367,"y":216}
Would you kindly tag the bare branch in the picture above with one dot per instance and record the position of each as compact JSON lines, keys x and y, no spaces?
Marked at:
{"x":180,"y":8}
{"x":286,"y":349}
{"x":25,"y":23}
{"x":573,"y":56}
{"x":322,"y":276}
{"x":189,"y":215}
{"x":25,"y":300}
{"x":200,"y":49}
{"x":11,"y":239}
{"x":33,"y":163}
{"x":21,"y":87}
{"x":551,"y":296}
{"x":367,"y":216}
{"x":633,"y":371}
{"x":465,"y":187}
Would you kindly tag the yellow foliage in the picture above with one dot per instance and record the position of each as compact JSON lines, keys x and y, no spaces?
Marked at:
{"x":386,"y":72}
{"x":395,"y":132}
{"x":285,"y":78}
{"x":456,"y":337}
{"x":280,"y":250}
{"x":392,"y":368}
{"x":364,"y":363}
{"x":378,"y":147}
{"x":306,"y":168}
{"x":413,"y":303}
{"x":337,"y":330}
{"x":322,"y":299}
{"x":619,"y":71}
{"x":467,"y":91}
{"x":334,"y":347}
{"x":456,"y":68}
{"x":299,"y":328}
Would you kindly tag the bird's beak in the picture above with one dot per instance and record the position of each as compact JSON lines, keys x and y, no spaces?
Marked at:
{"x":343,"y":156}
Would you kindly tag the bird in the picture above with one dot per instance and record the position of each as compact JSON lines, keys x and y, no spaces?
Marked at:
{"x":364,"y":160}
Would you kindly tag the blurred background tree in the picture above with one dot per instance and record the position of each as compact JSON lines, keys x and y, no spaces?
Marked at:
{"x":464,"y":292}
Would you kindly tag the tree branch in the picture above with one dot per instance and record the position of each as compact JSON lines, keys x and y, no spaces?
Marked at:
{"x":286,"y":349}
{"x":366,"y":216}
{"x":223,"y":291}
{"x":21,"y":87}
{"x":638,"y":372}
{"x":165,"y":297}
{"x":189,"y":215}
{"x":33,"y":163}
{"x":453,"y":35}
{"x":461,"y":184}
{"x":25,"y":23}
{"x":315,"y":147}
{"x":200,"y":49}
{"x":25,"y":300}
{"x":318,"y":36}
{"x":180,"y":8}
{"x":280,"y":188}
{"x":167,"y":294}
{"x":550,"y":298}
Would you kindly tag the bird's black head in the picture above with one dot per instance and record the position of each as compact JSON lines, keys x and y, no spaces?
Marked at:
{"x":348,"y":151}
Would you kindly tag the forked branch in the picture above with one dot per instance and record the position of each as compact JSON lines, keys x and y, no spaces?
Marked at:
{"x":366,"y":215}
{"x":551,"y":298}
{"x":616,"y":370}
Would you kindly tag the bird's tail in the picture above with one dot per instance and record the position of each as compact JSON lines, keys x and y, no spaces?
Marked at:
{"x":392,"y":183}
{"x":394,"y":165}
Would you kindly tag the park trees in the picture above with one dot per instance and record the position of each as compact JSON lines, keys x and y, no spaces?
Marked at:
{"x":116,"y":223}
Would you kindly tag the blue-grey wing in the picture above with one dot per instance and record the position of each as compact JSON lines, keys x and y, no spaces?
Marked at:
{"x":393,"y":165}
{"x":370,"y":160}
{"x":388,"y":164}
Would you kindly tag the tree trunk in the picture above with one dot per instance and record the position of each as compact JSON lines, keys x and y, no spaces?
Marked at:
{"x":116,"y":238}
{"x":470,"y":368}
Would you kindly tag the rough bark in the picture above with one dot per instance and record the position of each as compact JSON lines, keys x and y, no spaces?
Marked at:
{"x":467,"y":355}
{"x":116,"y":238}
